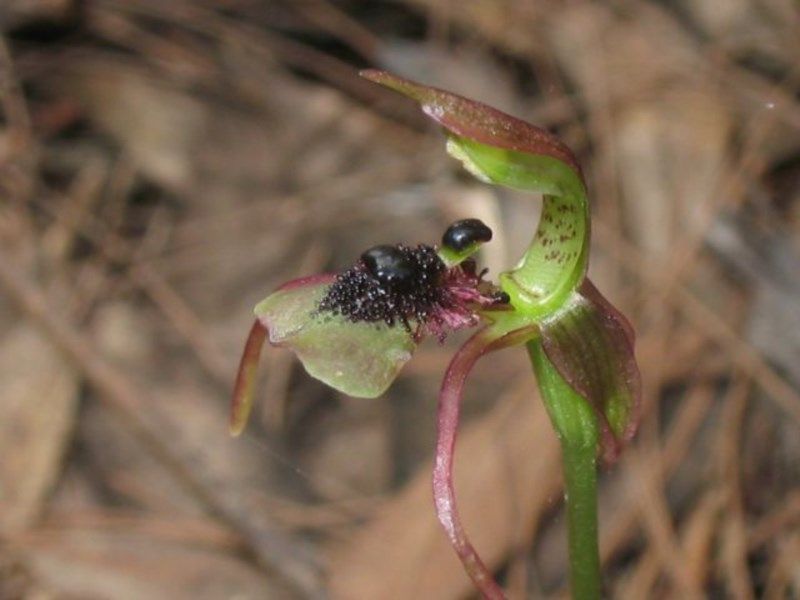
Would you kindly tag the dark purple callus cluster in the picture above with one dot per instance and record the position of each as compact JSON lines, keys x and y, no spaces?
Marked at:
{"x":410,"y":286}
{"x":389,"y":284}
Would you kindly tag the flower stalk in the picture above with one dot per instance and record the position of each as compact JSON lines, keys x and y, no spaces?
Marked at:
{"x":576,"y":428}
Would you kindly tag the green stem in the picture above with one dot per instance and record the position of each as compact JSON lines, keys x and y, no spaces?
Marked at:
{"x":580,"y":485}
{"x":577,"y":429}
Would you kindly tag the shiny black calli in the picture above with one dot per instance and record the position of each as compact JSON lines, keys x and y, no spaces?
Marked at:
{"x":462,"y":234}
{"x":500,"y":297}
{"x":392,"y":266}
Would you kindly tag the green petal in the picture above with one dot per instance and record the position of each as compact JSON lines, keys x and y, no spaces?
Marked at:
{"x":591,"y":344}
{"x":358,"y":359}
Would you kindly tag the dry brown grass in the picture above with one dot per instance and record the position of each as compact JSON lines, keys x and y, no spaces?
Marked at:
{"x":164,"y":165}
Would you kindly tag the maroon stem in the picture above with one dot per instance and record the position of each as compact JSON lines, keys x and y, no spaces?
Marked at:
{"x":447,"y":421}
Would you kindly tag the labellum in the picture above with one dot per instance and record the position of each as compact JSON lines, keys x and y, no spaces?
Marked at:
{"x":355,"y":330}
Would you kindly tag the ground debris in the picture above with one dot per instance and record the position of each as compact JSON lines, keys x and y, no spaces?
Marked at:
{"x":165,"y":165}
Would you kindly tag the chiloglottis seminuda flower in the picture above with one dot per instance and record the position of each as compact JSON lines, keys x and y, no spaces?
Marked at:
{"x":356,"y":329}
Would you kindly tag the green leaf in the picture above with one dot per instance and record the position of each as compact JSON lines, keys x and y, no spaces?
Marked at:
{"x":358,"y":359}
{"x":590,"y":344}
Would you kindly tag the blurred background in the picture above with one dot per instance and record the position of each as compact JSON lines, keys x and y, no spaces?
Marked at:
{"x":165,"y":164}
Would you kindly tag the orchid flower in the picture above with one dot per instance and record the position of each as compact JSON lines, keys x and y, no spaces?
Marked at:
{"x":356,"y":329}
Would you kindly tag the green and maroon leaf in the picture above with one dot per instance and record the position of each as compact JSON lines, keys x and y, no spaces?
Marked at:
{"x":358,"y":359}
{"x":591,"y":344}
